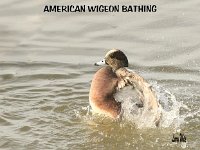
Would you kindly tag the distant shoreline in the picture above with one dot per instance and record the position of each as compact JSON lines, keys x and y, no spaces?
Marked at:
{"x":99,"y":8}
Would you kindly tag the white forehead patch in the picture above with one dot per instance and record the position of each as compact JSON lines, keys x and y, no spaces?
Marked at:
{"x":111,"y":51}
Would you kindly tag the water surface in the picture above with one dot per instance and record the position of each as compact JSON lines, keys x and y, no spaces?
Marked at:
{"x":46,"y":63}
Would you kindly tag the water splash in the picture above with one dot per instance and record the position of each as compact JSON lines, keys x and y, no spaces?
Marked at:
{"x":144,"y":118}
{"x":170,"y":107}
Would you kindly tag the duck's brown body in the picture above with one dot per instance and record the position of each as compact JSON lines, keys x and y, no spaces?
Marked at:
{"x":102,"y":91}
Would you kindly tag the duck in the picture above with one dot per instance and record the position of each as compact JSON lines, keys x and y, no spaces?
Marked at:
{"x":111,"y":78}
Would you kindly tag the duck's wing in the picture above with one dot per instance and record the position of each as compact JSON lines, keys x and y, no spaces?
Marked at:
{"x":147,"y":95}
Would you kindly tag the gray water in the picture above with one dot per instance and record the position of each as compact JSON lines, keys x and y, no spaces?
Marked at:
{"x":46,"y":67}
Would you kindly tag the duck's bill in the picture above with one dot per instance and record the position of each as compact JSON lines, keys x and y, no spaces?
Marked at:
{"x":100,"y":63}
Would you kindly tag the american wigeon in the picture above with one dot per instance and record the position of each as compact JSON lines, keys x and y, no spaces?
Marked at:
{"x":110,"y":79}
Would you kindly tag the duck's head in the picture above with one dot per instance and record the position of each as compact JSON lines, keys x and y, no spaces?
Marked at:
{"x":115,"y":59}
